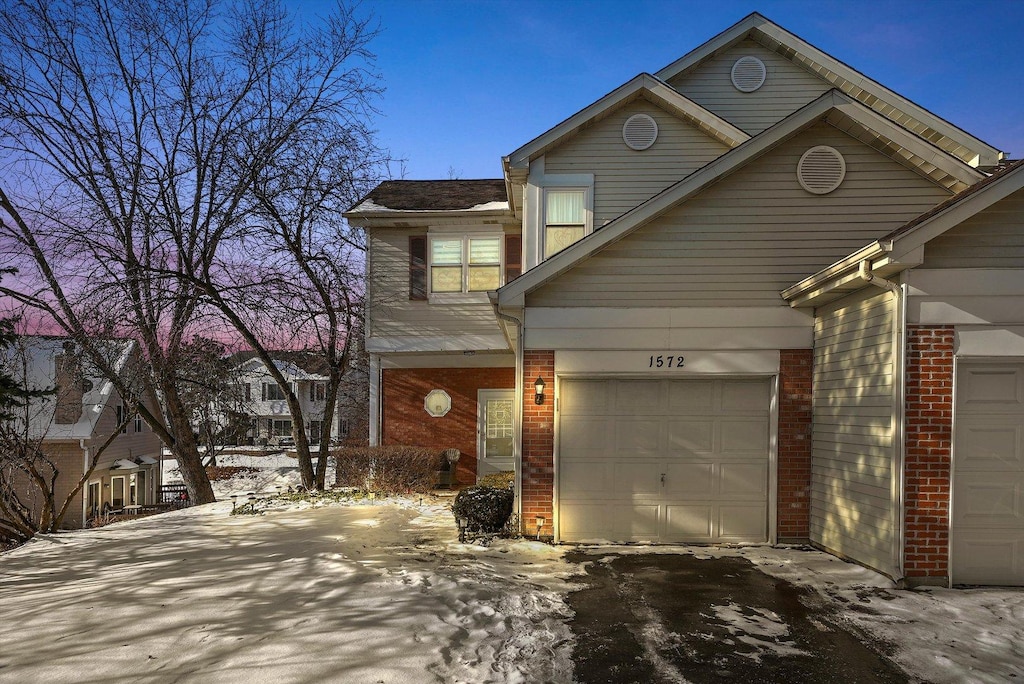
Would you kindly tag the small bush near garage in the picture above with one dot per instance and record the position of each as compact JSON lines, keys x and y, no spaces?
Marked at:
{"x":389,"y":469}
{"x":486,"y":510}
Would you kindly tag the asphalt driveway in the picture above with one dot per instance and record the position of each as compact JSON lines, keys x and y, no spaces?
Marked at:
{"x":685,"y":618}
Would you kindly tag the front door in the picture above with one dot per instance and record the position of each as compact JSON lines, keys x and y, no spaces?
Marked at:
{"x":495,"y":428}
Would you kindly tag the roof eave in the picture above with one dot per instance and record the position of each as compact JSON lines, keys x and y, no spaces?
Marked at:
{"x":708,"y":122}
{"x":982,"y":153}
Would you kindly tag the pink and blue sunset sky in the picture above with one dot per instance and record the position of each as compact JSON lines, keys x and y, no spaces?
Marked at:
{"x":470,"y":81}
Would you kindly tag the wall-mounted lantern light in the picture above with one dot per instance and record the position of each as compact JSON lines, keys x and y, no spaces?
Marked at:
{"x":539,"y":386}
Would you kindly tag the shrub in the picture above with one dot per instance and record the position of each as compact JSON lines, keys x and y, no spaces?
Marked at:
{"x":485,"y":509}
{"x":216,"y":473}
{"x":389,"y":469}
{"x":506,"y":479}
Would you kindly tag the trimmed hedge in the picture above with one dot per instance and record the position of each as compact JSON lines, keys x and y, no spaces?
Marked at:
{"x":485,"y":509}
{"x":388,"y":469}
{"x":506,"y":479}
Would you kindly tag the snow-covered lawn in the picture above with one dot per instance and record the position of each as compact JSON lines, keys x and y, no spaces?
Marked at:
{"x":369,"y":593}
{"x":386,"y":593}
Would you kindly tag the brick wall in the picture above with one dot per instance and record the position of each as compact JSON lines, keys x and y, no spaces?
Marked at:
{"x":538,"y":442}
{"x":929,"y":427}
{"x":794,"y":484}
{"x":404,"y":420}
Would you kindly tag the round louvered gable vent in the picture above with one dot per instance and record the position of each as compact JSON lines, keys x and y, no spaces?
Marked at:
{"x":821,"y":169}
{"x":748,"y":74}
{"x":639,"y":132}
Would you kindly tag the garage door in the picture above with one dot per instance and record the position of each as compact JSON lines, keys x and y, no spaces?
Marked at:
{"x":988,"y":484}
{"x":663,"y":460}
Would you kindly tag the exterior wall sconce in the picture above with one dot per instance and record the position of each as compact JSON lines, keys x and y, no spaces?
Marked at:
{"x":540,"y":525}
{"x":539,"y":386}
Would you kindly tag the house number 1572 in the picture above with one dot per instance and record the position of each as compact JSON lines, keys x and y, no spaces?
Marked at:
{"x":665,"y":361}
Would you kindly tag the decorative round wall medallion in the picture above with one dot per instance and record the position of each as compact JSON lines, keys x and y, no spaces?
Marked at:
{"x":437,"y":403}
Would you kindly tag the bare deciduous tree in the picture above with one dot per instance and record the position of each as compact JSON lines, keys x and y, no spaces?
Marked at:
{"x":144,"y":144}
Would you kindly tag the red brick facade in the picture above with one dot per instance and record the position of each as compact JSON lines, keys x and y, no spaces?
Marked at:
{"x":538,"y":442}
{"x":929,"y":429}
{"x":404,"y":420}
{"x":795,"y":367}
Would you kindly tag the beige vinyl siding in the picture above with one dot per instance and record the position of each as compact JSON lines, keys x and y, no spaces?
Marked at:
{"x":751,"y":235}
{"x":993,"y":238}
{"x":852,"y":436}
{"x":393,"y":315}
{"x":786,"y":88}
{"x":623,"y":178}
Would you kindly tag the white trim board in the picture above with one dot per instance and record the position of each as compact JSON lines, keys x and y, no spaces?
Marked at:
{"x":696,"y":362}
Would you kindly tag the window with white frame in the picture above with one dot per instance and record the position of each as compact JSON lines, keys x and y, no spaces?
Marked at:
{"x":464,"y":263}
{"x":138,"y":423}
{"x":273,"y":392}
{"x":565,"y":219}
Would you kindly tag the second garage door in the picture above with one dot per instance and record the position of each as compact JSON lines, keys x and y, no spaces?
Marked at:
{"x":988,"y":489}
{"x":664,"y":460}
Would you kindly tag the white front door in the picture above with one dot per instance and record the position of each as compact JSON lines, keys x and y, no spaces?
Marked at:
{"x":495,"y":428}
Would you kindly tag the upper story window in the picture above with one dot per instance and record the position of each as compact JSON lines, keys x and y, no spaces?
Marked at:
{"x":317,"y":391}
{"x":565,"y":220}
{"x":464,"y":264}
{"x":446,"y":265}
{"x":273,"y":392}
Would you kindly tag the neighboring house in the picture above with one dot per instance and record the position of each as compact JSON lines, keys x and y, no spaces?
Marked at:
{"x":76,"y":419}
{"x":267,"y":405}
{"x":763,"y":299}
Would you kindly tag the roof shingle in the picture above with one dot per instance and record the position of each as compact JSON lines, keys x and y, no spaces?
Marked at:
{"x":432,"y":195}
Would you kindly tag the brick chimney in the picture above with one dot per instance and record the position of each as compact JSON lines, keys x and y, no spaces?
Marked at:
{"x":69,"y":386}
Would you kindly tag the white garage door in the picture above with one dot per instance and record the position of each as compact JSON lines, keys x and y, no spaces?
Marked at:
{"x":988,"y":485}
{"x":663,"y":460}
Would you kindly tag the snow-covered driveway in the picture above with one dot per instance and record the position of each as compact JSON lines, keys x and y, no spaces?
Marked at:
{"x":380,"y":593}
{"x":385,"y":593}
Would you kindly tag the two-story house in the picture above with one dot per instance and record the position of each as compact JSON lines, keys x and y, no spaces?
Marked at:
{"x":267,"y":405}
{"x":71,"y":425}
{"x":752,"y":297}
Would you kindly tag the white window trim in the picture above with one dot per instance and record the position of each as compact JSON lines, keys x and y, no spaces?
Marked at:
{"x":464,"y":297}
{"x":536,"y":207}
{"x":588,"y":213}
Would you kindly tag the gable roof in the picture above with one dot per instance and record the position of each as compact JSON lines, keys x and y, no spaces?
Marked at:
{"x":913,"y":117}
{"x":834,"y":107}
{"x":643,"y":86}
{"x":900,"y":249}
{"x":290,"y":369}
{"x":32,"y":362}
{"x":433,"y":195}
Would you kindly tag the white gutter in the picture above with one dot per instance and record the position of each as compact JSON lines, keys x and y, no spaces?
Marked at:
{"x":374,"y":403}
{"x":85,"y":492}
{"x":898,"y":501}
{"x":517,"y":434}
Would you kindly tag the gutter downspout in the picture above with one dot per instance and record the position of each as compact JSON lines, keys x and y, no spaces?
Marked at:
{"x":85,"y":493}
{"x":517,"y":435}
{"x":899,"y":293}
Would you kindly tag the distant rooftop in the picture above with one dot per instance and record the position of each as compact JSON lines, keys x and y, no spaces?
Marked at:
{"x":435,"y":195}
